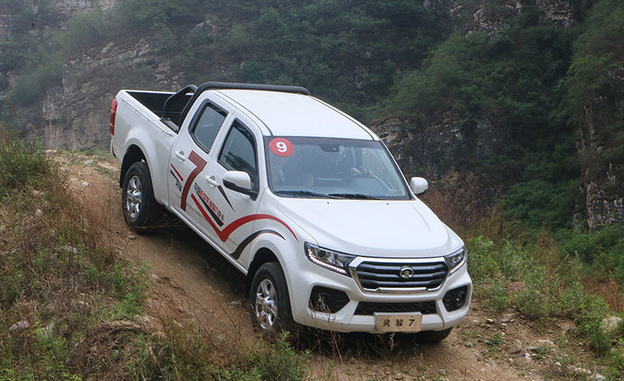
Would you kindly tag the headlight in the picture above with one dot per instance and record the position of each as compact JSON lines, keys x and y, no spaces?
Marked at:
{"x":329,"y":259}
{"x":455,"y":260}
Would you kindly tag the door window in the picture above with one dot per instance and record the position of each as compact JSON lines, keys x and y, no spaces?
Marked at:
{"x":207,"y":126}
{"x":239,"y":152}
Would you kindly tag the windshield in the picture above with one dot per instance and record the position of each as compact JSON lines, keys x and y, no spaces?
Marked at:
{"x":333,"y":168}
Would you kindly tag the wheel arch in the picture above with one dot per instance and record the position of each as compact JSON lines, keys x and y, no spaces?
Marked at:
{"x":263,"y":255}
{"x":133,"y":154}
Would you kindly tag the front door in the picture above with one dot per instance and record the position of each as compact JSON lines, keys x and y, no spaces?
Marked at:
{"x":228,"y":213}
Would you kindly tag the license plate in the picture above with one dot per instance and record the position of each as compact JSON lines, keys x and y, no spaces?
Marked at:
{"x":398,"y":322}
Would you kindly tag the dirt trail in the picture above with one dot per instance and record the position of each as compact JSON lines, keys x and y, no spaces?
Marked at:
{"x":191,"y":280}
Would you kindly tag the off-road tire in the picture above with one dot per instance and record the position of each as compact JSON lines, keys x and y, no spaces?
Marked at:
{"x":140,"y":208}
{"x":270,"y":304}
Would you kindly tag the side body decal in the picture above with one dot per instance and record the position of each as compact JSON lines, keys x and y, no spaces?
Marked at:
{"x":211,"y":212}
{"x":199,"y":166}
{"x":239,"y":250}
{"x":228,"y":230}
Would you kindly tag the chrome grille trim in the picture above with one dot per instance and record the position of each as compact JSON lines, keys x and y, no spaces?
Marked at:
{"x":382,"y":274}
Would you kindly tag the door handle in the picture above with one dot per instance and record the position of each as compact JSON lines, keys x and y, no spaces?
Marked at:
{"x":180,"y":155}
{"x":212,"y":181}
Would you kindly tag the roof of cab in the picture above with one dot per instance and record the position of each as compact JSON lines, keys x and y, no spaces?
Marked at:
{"x":288,"y":114}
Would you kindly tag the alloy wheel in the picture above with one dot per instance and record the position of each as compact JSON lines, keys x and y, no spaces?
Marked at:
{"x":265,"y":305}
{"x":134,"y":198}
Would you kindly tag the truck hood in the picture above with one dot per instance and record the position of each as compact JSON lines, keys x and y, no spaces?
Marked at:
{"x":393,"y":229}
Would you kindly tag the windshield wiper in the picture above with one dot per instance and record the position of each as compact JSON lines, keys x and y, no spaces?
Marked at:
{"x":353,"y":196}
{"x":303,"y":193}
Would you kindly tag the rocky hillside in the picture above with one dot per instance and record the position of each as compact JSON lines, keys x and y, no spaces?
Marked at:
{"x":72,"y":113}
{"x":506,"y":126}
{"x":448,"y":140}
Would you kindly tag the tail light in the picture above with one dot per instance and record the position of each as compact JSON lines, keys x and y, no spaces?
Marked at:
{"x":113,"y":115}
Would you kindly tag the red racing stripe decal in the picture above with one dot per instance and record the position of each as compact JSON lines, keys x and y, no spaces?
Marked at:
{"x":199,"y":166}
{"x":179,"y":175}
{"x":225,"y":233}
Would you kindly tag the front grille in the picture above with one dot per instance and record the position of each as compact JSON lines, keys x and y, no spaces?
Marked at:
{"x":369,"y":308}
{"x":374,"y":276}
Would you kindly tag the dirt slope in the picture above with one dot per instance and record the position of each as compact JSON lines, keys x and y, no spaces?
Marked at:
{"x":190,"y":280}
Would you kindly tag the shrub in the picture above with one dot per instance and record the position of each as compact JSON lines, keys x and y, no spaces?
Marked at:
{"x":21,"y":166}
{"x":602,"y":250}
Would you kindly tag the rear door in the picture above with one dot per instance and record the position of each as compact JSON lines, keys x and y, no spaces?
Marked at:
{"x":189,"y":157}
{"x":216,"y":141}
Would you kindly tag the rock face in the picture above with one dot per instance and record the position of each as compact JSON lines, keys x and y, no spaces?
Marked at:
{"x":55,"y":122}
{"x":559,"y":11}
{"x":76,"y":114}
{"x":69,"y":7}
{"x":489,"y":16}
{"x":440,"y":147}
{"x":602,"y":194}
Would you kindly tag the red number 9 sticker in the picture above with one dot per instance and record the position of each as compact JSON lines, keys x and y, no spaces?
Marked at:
{"x":281,"y":147}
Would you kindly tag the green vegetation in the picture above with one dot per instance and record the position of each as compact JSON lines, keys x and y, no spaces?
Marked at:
{"x":514,"y":267}
{"x":602,"y":250}
{"x":597,"y":64}
{"x":512,"y":78}
{"x":28,"y":54}
{"x":70,"y":306}
{"x":535,"y":83}
{"x":532,"y":279}
{"x":348,"y":54}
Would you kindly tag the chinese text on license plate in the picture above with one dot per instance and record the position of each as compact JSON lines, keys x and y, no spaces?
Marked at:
{"x":398,"y":322}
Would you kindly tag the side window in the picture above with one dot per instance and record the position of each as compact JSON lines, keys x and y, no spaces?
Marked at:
{"x":239,"y":152}
{"x":207,"y":126}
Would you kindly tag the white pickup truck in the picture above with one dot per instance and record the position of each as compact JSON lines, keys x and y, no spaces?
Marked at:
{"x":303,"y":199}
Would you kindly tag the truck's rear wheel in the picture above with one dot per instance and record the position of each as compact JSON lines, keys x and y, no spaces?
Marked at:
{"x":270,"y":305}
{"x":139,"y":205}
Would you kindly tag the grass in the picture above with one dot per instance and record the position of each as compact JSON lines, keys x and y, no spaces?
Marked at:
{"x":76,"y":307}
{"x":71,"y":308}
{"x":58,"y":283}
{"x":514,"y":268}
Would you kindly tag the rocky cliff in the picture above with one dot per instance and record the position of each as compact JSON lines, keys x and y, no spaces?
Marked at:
{"x":602,"y":187}
{"x":489,"y":16}
{"x":75,"y":114}
{"x":436,"y":149}
{"x":448,"y":143}
{"x":70,"y":116}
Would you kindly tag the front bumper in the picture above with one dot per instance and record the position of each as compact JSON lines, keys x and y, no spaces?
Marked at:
{"x":355,"y":313}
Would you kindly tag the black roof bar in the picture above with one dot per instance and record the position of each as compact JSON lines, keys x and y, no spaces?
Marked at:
{"x":239,"y":86}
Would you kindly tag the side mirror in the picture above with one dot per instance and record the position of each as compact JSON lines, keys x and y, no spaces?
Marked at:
{"x":239,"y":181}
{"x":418,"y":185}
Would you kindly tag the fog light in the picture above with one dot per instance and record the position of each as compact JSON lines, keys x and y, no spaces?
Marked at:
{"x":325,"y":299}
{"x":456,"y":298}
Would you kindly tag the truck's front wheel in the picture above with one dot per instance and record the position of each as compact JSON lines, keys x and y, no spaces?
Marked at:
{"x":270,"y":305}
{"x":139,"y":206}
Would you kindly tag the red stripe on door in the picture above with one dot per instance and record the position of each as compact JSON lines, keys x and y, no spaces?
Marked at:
{"x":225,"y":233}
{"x":199,"y":166}
{"x":178,"y":173}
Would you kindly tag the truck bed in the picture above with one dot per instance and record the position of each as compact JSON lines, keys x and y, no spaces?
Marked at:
{"x":155,"y":102}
